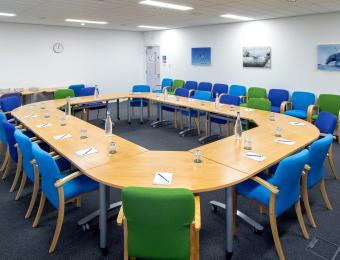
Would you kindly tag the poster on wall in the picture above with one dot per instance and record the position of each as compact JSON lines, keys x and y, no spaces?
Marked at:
{"x":329,"y":57}
{"x":257,"y":57}
{"x":201,"y":56}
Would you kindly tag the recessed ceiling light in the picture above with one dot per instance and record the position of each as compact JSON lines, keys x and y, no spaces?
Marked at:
{"x":166,"y":5}
{"x":7,"y":14}
{"x":153,"y":27}
{"x":237,"y":17}
{"x":84,"y":21}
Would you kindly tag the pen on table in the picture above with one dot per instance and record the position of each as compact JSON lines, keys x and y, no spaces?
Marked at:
{"x":43,"y":125}
{"x":163,"y":177}
{"x":87,"y":151}
{"x":283,"y":141}
{"x":62,"y":136}
{"x":255,"y":155}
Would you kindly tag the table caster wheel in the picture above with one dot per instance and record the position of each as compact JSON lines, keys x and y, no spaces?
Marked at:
{"x":141,"y":123}
{"x":228,"y":255}
{"x":105,"y":251}
{"x":213,"y":208}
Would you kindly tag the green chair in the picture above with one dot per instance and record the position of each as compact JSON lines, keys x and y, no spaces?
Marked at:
{"x":178,"y":83}
{"x":63,"y":93}
{"x":160,"y":223}
{"x":255,"y":92}
{"x":259,"y":103}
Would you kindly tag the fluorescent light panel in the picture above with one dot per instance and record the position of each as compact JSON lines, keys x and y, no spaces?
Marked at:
{"x":152,"y":27}
{"x":237,"y":17}
{"x":84,"y":21}
{"x":166,"y":5}
{"x":7,"y":14}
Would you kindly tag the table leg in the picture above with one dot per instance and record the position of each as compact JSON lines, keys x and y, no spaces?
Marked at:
{"x":103,"y":190}
{"x":229,"y":222}
{"x":141,"y":111}
{"x":129,"y":110}
{"x":190,"y":130}
{"x":118,"y":117}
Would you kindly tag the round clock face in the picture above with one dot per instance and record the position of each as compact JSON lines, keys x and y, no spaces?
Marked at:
{"x":58,"y":47}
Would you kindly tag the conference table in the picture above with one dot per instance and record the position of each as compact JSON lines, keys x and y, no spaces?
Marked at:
{"x":223,"y":162}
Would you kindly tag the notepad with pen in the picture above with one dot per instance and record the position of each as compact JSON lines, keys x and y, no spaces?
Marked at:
{"x":162,"y":178}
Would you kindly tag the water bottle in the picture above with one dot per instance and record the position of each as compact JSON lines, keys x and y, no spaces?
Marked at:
{"x":165,"y":93}
{"x":217,"y":102}
{"x":108,"y":124}
{"x":238,"y":127}
{"x":96,"y":92}
{"x":68,"y":106}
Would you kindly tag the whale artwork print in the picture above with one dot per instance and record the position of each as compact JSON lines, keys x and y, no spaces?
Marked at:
{"x":329,"y":57}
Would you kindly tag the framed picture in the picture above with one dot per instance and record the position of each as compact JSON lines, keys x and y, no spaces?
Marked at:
{"x":201,"y":56}
{"x":329,"y":57}
{"x":257,"y":57}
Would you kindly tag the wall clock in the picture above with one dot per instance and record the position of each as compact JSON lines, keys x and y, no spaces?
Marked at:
{"x":58,"y":47}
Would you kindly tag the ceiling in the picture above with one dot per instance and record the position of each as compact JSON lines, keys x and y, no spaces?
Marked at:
{"x":128,"y":14}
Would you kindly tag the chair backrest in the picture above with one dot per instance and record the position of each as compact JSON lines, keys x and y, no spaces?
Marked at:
{"x":256,"y":92}
{"x":204,"y":86}
{"x":238,"y":90}
{"x":326,"y":122}
{"x":141,"y":88}
{"x":277,"y":96}
{"x":10,"y":103}
{"x":329,"y":103}
{"x":182,"y":92}
{"x":49,"y":172}
{"x":9,"y":132}
{"x":2,"y":130}
{"x":76,"y":88}
{"x":178,"y":83}
{"x":167,"y":83}
{"x":220,"y":89}
{"x":317,"y":155}
{"x":89,"y":91}
{"x":191,"y":85}
{"x":259,"y":103}
{"x":13,"y":94}
{"x":287,"y":178}
{"x":165,"y":211}
{"x":301,"y":100}
{"x":202,"y":95}
{"x":230,"y":100}
{"x":63,"y":93}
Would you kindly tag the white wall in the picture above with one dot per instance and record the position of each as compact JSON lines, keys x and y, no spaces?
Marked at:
{"x":294,"y":52}
{"x":112,"y":59}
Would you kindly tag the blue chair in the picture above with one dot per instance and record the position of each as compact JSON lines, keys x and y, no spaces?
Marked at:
{"x":196,"y":114}
{"x":3,"y":142}
{"x":89,"y":91}
{"x":239,"y":91}
{"x":279,"y":193}
{"x":190,"y":85}
{"x":8,"y":104}
{"x":58,"y":188}
{"x":204,"y":86}
{"x":220,"y":89}
{"x":277,"y":97}
{"x":300,"y":104}
{"x":317,"y":155}
{"x":326,"y":123}
{"x":77,"y":88}
{"x":166,"y":83}
{"x":136,"y":102}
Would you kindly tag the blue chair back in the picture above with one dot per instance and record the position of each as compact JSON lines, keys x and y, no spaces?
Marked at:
{"x":182,"y":92}
{"x":13,"y":94}
{"x":10,"y":103}
{"x":301,"y":100}
{"x":230,"y":100}
{"x":202,"y":95}
{"x":49,"y":172}
{"x":166,"y":82}
{"x":9,"y":132}
{"x":317,"y":155}
{"x":87,"y":91}
{"x":141,"y":88}
{"x":326,"y":122}
{"x":2,"y":131}
{"x":220,"y":89}
{"x":238,"y":90}
{"x":204,"y":86}
{"x":77,"y":88}
{"x":277,"y":96}
{"x":287,"y":178}
{"x":190,"y":85}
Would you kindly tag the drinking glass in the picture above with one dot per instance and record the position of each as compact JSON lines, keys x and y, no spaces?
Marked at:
{"x":272,"y":117}
{"x":46,"y":114}
{"x":43,"y":105}
{"x":232,"y":108}
{"x":63,"y":121}
{"x":112,"y":147}
{"x":83,"y":133}
{"x":247,"y":144}
{"x":177,"y":98}
{"x":198,"y":156}
{"x":278,"y":132}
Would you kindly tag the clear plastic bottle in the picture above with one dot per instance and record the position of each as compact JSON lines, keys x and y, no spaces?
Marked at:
{"x":108,"y":124}
{"x":165,"y":93}
{"x":96,"y":92}
{"x":238,"y":127}
{"x":68,"y":106}
{"x":217,"y":102}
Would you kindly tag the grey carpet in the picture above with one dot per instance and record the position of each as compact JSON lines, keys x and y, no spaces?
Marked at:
{"x":18,"y":240}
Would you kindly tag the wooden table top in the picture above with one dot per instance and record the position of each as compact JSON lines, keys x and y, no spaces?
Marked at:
{"x":223,"y":164}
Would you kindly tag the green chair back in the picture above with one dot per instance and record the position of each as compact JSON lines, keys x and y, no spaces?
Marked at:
{"x":158,"y":222}
{"x":178,"y":83}
{"x":256,"y":92}
{"x":63,"y":93}
{"x":259,"y":103}
{"x":329,"y":103}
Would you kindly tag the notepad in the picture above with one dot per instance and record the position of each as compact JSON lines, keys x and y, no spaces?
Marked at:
{"x":162,"y":178}
{"x":247,"y":109}
{"x":44,"y":125}
{"x":255,"y":156}
{"x":284,"y":141}
{"x":62,"y":137}
{"x":297,"y":123}
{"x":31,"y":116}
{"x":86,"y":152}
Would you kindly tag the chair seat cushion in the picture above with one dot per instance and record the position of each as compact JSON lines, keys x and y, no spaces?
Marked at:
{"x":78,"y":185}
{"x":275,"y":109}
{"x":314,"y":117}
{"x":194,"y":113}
{"x":297,"y":113}
{"x":169,"y":109}
{"x":244,"y":105}
{"x":136,"y":103}
{"x":95,"y":105}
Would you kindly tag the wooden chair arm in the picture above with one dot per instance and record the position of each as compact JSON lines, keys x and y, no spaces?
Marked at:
{"x":62,"y":181}
{"x":120,"y":216}
{"x":11,"y":120}
{"x":285,"y":105}
{"x":310,"y":111}
{"x":34,"y":139}
{"x":38,"y":142}
{"x":56,"y":157}
{"x":307,"y":167}
{"x":270,"y":187}
{"x":323,"y":135}
{"x":19,"y":126}
{"x":244,"y":99}
{"x":7,"y":113}
{"x":197,"y":221}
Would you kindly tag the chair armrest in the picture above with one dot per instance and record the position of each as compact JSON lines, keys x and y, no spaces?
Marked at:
{"x":310,"y":112}
{"x":307,"y":167}
{"x":11,"y":120}
{"x":62,"y":181}
{"x":285,"y":105}
{"x":7,"y":113}
{"x":19,"y":126}
{"x":56,"y":157}
{"x":323,"y":135}
{"x":197,"y":212}
{"x":270,"y":187}
{"x":38,"y":142}
{"x":120,"y":216}
{"x":34,"y":139}
{"x":244,"y":99}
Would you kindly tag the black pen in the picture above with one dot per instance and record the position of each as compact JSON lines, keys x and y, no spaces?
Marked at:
{"x":62,"y":136}
{"x":163,"y":177}
{"x":87,"y":152}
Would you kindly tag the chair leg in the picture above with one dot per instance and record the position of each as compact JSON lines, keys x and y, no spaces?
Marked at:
{"x":97,"y":113}
{"x":5,"y":160}
{"x":331,"y":162}
{"x":40,"y":210}
{"x":126,"y":253}
{"x":324,"y":195}
{"x":22,"y":186}
{"x":273,"y":225}
{"x":181,"y":121}
{"x":175,"y":118}
{"x":8,"y":166}
{"x":60,"y":220}
{"x":305,"y":199}
{"x":197,"y":121}
{"x":149,"y":111}
{"x":220,"y":127}
{"x":34,"y":196}
{"x":300,"y":219}
{"x":78,"y":201}
{"x":17,"y":173}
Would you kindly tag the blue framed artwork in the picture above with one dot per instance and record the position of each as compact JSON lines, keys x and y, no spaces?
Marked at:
{"x":201,"y":56}
{"x":329,"y":57}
